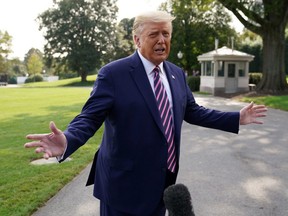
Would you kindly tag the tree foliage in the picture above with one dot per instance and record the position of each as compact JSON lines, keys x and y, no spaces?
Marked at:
{"x":34,"y":62}
{"x":196,"y":26}
{"x":16,"y":67}
{"x":124,"y":45}
{"x":79,"y":33}
{"x":267,"y":18}
{"x":252,"y":43}
{"x":5,"y":50}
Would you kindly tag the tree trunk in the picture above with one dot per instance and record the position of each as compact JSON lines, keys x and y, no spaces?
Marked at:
{"x":274,"y":79}
{"x":83,"y":76}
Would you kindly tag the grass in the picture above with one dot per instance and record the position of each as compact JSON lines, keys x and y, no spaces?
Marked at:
{"x":25,"y":187}
{"x":276,"y":102}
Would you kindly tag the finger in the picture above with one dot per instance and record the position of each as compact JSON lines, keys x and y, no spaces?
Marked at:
{"x":54,"y":129}
{"x":261,"y":111}
{"x":46,"y":152}
{"x":40,"y":149}
{"x":36,"y":136}
{"x":46,"y":156}
{"x":248,"y":107}
{"x":260,"y":115}
{"x":257,"y":122}
{"x":259,"y":106}
{"x":33,"y":144}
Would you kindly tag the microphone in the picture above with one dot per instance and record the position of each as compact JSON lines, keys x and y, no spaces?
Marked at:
{"x":177,"y":200}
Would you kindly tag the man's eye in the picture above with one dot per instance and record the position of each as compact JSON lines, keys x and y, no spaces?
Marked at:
{"x":166,"y":34}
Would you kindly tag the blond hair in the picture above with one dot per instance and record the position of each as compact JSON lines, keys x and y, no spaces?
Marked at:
{"x":151,"y":16}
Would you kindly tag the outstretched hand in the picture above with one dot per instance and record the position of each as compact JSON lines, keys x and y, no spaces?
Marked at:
{"x":51,"y":145}
{"x":250,"y":114}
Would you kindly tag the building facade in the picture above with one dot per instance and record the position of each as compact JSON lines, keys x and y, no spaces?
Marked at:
{"x":224,"y":71}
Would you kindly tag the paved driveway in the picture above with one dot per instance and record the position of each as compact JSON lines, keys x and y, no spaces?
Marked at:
{"x":227,"y":174}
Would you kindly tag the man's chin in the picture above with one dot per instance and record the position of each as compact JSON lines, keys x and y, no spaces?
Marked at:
{"x":161,"y":58}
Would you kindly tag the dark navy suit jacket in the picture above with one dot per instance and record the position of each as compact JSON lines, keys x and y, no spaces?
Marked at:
{"x":129,"y":172}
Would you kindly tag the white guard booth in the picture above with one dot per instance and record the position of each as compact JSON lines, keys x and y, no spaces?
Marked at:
{"x":224,"y":71}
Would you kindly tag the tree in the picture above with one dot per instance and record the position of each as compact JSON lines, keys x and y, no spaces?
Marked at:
{"x":34,"y":62}
{"x":31,"y":52}
{"x":124,"y":45}
{"x":267,"y":18}
{"x":196,"y":26}
{"x":5,"y":50}
{"x":15,"y":67}
{"x":79,"y":33}
{"x":252,"y":43}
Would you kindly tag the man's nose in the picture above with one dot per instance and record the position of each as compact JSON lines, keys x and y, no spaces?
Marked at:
{"x":161,"y":39}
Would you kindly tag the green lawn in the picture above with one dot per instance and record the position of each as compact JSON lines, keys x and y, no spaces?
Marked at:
{"x":277,"y":102}
{"x":25,"y":187}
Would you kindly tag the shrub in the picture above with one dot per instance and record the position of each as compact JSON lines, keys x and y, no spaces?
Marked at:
{"x":34,"y":78}
{"x":12,"y":80}
{"x":193,"y":83}
{"x":254,"y":78}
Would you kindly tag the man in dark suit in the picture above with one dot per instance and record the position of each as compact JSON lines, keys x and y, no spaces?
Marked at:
{"x":139,"y":154}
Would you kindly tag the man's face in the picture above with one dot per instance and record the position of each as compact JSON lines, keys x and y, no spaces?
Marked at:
{"x":154,"y":41}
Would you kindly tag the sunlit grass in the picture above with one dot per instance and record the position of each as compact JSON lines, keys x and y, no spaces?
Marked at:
{"x":277,"y":102}
{"x":273,"y":101}
{"x":25,"y":187}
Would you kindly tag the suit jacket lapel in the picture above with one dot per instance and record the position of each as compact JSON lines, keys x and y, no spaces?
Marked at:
{"x":140,"y":77}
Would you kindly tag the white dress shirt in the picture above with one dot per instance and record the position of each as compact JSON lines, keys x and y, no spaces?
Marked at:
{"x":149,"y":66}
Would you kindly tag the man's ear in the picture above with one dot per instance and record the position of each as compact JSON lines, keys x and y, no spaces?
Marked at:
{"x":136,"y":41}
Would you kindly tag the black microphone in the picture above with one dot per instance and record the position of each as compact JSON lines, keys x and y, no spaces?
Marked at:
{"x":177,"y":200}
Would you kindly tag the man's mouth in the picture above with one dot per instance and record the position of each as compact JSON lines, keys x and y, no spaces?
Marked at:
{"x":160,"y":50}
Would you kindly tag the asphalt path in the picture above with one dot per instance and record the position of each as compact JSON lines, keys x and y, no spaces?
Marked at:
{"x":226,"y":174}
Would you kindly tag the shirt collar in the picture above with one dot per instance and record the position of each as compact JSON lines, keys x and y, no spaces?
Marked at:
{"x":149,"y":66}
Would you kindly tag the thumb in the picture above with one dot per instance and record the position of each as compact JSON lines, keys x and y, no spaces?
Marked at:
{"x":250,"y":105}
{"x":54,"y":129}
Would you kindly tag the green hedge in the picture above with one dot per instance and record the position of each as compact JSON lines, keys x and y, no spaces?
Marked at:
{"x":12,"y":80}
{"x":193,"y":83}
{"x":34,"y":78}
{"x":254,"y":78}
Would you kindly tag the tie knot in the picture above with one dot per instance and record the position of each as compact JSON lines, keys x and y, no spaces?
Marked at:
{"x":156,"y":70}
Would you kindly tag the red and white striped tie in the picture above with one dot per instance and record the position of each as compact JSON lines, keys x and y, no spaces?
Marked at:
{"x":166,"y":117}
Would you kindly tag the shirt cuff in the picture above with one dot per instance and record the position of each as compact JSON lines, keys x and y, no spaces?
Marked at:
{"x":60,"y":157}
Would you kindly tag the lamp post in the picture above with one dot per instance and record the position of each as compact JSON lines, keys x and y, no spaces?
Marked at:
{"x":180,"y":55}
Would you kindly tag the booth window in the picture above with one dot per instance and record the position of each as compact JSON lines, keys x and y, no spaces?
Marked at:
{"x":208,"y":68}
{"x":241,"y":70}
{"x":220,"y":69}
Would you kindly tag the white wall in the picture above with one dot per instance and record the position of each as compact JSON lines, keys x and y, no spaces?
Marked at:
{"x":51,"y":78}
{"x":21,"y":80}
